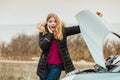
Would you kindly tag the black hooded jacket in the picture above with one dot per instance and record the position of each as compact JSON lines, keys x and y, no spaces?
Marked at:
{"x":45,"y":44}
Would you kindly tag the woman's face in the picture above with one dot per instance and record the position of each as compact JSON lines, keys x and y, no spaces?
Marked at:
{"x":52,"y":23}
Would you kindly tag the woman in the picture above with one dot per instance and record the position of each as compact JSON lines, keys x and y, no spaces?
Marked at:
{"x":53,"y":42}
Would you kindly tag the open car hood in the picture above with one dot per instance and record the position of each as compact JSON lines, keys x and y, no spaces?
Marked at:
{"x":94,"y":30}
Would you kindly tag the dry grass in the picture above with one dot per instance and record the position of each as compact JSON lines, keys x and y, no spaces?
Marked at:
{"x":26,"y":70}
{"x":17,"y":70}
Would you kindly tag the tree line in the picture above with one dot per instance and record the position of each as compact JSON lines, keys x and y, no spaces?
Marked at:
{"x":24,"y":47}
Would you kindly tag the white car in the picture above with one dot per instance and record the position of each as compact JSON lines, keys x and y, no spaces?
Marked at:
{"x":94,"y":30}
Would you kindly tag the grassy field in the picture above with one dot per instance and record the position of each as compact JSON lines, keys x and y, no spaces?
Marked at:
{"x":26,"y":70}
{"x":18,"y":70}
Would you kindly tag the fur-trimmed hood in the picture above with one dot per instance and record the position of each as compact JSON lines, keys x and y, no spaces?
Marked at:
{"x":41,"y":27}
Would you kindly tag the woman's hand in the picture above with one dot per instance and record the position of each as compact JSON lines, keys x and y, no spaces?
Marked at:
{"x":99,"y":14}
{"x":50,"y":30}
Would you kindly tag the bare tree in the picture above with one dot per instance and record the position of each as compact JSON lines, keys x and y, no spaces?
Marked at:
{"x":24,"y":47}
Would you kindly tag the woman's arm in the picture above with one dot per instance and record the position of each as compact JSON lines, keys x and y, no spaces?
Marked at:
{"x":72,"y":30}
{"x":45,"y":40}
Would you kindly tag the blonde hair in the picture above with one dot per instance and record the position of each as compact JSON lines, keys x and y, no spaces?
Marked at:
{"x":60,"y":24}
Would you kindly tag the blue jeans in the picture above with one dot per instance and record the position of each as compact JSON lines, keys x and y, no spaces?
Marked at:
{"x":52,"y":72}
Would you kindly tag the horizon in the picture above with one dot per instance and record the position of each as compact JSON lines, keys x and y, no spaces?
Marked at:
{"x":31,"y":29}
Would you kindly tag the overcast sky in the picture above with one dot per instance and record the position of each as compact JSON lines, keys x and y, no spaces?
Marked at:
{"x":34,"y":11}
{"x":26,"y":12}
